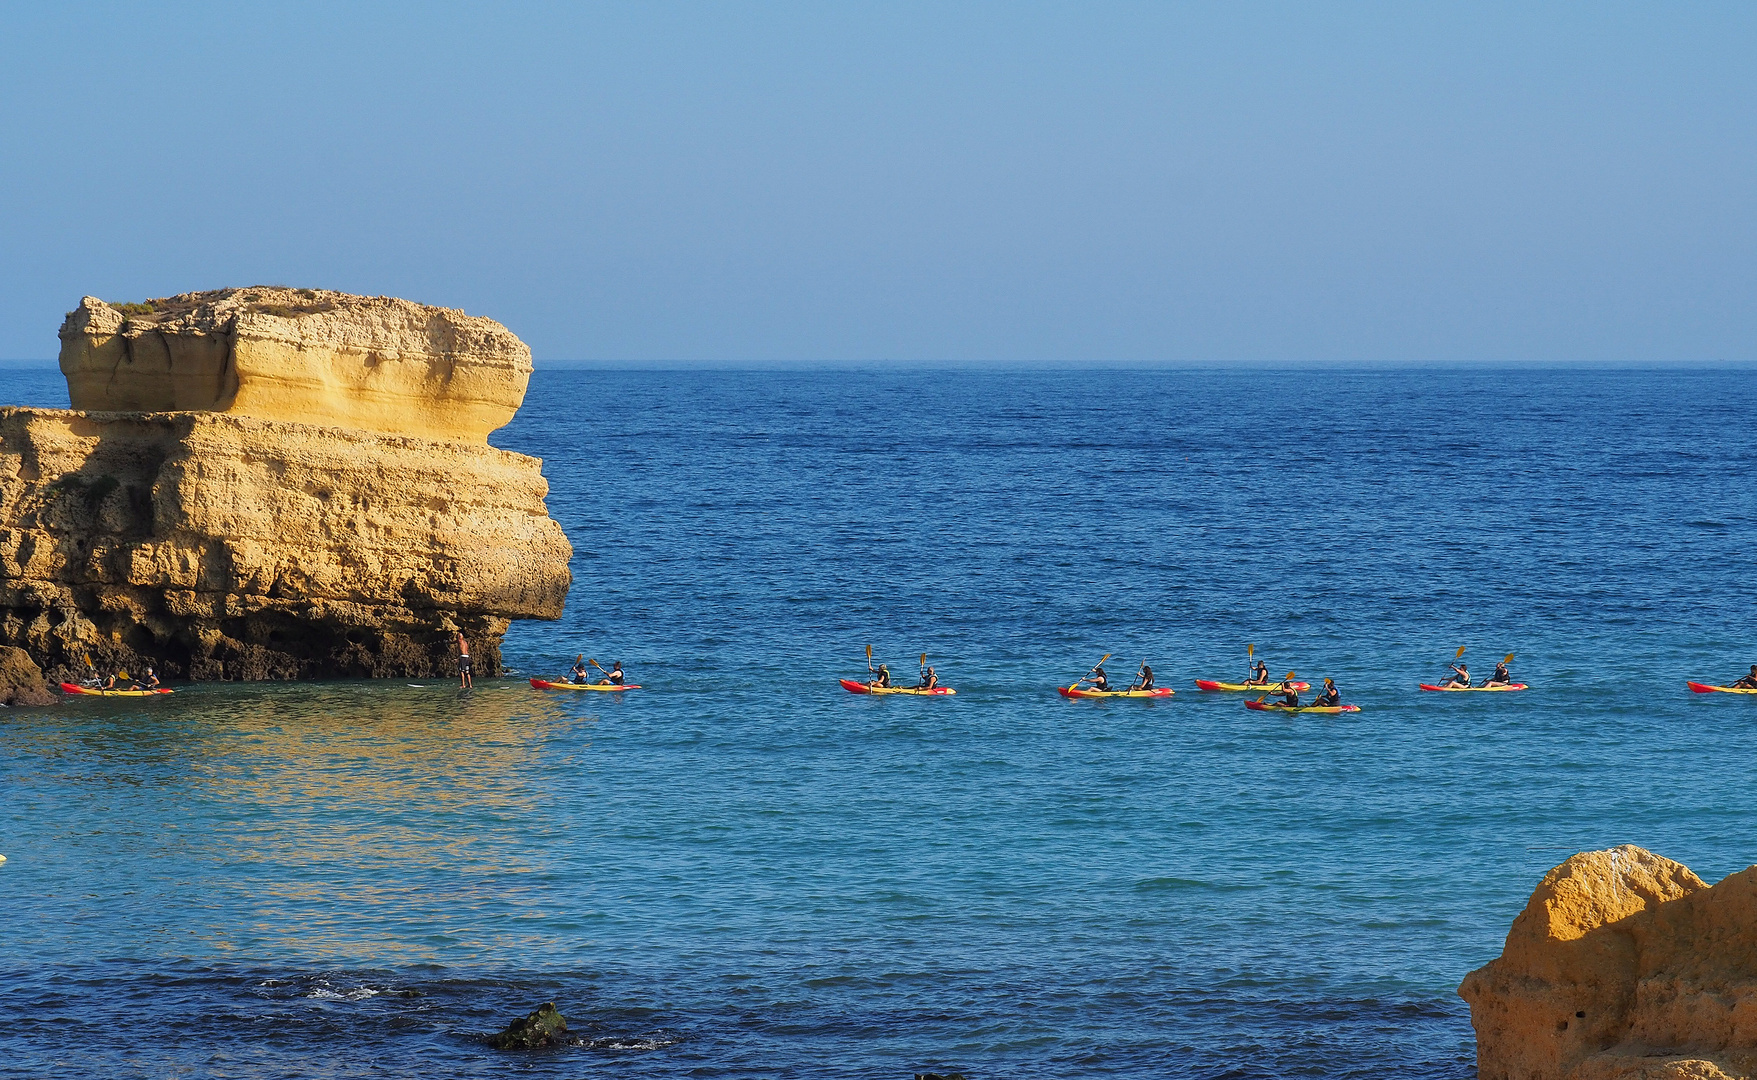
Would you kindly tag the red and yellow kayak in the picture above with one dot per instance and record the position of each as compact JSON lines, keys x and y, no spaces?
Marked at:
{"x":545,"y":684}
{"x":1475,"y":689}
{"x":861,"y":688}
{"x":1709,"y":688}
{"x":1236,"y":687}
{"x":1077,"y":692}
{"x":75,"y":688}
{"x":1328,"y":710}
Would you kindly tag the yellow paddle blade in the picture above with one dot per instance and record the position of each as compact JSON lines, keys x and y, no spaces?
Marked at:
{"x":88,"y":660}
{"x":1509,"y":659}
{"x":1250,"y":651}
{"x":1459,"y":653}
{"x":923,"y":659}
{"x":579,"y":658}
{"x":1291,"y":674}
{"x":869,"y":654}
{"x":122,"y":674}
{"x":1103,"y":658}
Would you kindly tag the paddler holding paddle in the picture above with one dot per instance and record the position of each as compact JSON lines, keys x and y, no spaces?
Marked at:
{"x":1460,"y":672}
{"x":1502,"y":676}
{"x":1749,"y":682}
{"x":881,"y":677}
{"x":1289,"y":691}
{"x":1143,"y":678}
{"x":581,"y":674}
{"x":1329,"y":697}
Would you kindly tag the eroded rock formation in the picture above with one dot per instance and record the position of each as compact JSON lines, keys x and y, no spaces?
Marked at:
{"x":21,"y":681}
{"x":1623,"y":966}
{"x":308,"y":356}
{"x":231,"y":539}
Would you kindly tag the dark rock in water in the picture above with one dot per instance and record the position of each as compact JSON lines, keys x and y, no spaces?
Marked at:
{"x":939,"y":1076}
{"x":21,"y":681}
{"x":544,"y":1028}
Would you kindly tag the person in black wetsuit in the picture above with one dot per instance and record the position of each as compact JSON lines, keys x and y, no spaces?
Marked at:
{"x":1099,"y":680}
{"x":1259,"y":673}
{"x":1143,"y":680}
{"x":1460,"y":675}
{"x":1329,"y":697}
{"x":614,"y":676}
{"x":882,"y":677}
{"x":1749,"y":682}
{"x":1501,"y":677}
{"x":1289,"y":692}
{"x":929,"y":680}
{"x":581,"y":674}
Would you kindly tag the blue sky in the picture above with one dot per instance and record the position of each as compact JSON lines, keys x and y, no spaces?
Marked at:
{"x":937,"y":182}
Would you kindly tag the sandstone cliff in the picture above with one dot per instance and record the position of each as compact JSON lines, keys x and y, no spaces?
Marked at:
{"x":272,"y":526}
{"x":303,"y":355}
{"x":1623,"y":966}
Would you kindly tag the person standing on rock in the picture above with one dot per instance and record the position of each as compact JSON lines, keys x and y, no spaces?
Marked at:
{"x":463,"y":662}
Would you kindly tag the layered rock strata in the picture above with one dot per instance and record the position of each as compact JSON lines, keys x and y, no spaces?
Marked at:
{"x":307,"y":356}
{"x":1623,"y":966}
{"x":238,"y":537}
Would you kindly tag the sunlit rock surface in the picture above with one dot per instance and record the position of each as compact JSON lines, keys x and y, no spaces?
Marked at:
{"x":272,"y":525}
{"x":308,"y":356}
{"x":1624,"y":965}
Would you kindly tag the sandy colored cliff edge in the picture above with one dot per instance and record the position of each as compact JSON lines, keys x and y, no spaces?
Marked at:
{"x":310,"y":356}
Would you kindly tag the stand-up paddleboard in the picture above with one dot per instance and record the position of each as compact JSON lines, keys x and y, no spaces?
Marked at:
{"x":545,"y":684}
{"x":861,"y":688}
{"x":1710,"y":688}
{"x":75,"y":688}
{"x":1077,"y":692}
{"x":1504,"y":687}
{"x":1254,"y":687}
{"x":1328,"y":710}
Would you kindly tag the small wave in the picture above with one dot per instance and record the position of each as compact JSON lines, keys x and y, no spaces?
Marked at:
{"x":357,"y":994}
{"x":612,"y":1042}
{"x":1172,"y":884}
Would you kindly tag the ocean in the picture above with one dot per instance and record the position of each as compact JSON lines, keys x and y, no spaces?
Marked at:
{"x":743,"y":871}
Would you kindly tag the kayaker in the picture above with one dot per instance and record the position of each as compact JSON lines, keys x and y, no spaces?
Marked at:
{"x":1143,"y":679}
{"x":1460,"y":675}
{"x":1749,"y":682}
{"x":581,"y":674}
{"x":1501,"y":677}
{"x":151,"y":682}
{"x":614,"y":676}
{"x":1099,"y":680}
{"x":1289,"y":692}
{"x":1259,"y":673}
{"x":463,"y":662}
{"x":1329,"y":697}
{"x":882,"y":677}
{"x":109,"y":682}
{"x":929,"y":680}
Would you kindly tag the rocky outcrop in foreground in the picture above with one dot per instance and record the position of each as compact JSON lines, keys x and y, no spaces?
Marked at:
{"x":21,"y":681}
{"x":248,"y":536}
{"x":1623,"y":966}
{"x":542,"y":1029}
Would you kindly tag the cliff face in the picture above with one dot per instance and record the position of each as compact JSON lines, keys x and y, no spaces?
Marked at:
{"x":308,"y":356}
{"x":217,"y":542}
{"x":1624,"y":965}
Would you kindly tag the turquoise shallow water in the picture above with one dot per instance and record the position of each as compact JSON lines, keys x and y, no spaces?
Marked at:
{"x":744,"y":871}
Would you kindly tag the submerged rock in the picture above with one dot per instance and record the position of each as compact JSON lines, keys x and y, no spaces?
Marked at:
{"x":1623,"y":965}
{"x":21,"y":681}
{"x":245,"y":536}
{"x":544,"y":1028}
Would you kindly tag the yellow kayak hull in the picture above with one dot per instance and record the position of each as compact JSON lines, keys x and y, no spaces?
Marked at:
{"x":862,"y":688}
{"x":545,"y":684}
{"x":1077,"y":692}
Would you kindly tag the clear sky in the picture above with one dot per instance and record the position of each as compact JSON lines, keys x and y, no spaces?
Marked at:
{"x":939,"y":182}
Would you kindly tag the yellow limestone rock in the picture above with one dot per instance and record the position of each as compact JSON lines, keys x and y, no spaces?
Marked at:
{"x":274,"y":483}
{"x":1623,"y":966}
{"x":309,"y":356}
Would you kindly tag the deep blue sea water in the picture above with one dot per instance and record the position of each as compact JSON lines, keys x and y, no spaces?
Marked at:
{"x":742,"y":871}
